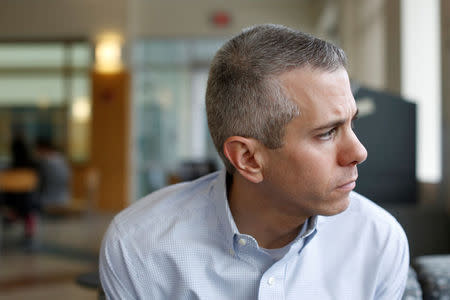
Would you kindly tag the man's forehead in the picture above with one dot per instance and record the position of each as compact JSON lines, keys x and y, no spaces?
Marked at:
{"x":319,"y":94}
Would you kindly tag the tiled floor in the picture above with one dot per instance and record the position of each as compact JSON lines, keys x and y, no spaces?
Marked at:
{"x":63,"y":290}
{"x":67,"y":247}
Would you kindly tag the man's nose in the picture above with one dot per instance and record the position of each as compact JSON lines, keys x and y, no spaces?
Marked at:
{"x":352,"y":151}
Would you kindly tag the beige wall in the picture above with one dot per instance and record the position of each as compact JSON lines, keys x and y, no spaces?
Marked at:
{"x":21,"y":19}
{"x":369,"y":33}
{"x":87,"y":19}
{"x":188,"y":18}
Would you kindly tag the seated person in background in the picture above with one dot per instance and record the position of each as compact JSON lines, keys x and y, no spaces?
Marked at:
{"x":282,"y":221}
{"x":54,"y":175}
{"x":22,"y":202}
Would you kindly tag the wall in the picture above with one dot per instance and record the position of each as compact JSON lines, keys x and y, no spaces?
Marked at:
{"x":193,"y":18}
{"x":50,"y":19}
{"x":370,"y":29}
{"x":110,"y":135}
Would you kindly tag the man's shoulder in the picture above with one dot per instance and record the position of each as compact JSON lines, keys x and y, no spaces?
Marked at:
{"x":361,"y":205}
{"x":384,"y":238}
{"x":366,"y":212}
{"x":175,"y":202}
{"x":365,"y":217}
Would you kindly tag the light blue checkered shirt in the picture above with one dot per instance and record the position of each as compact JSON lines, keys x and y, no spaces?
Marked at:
{"x":182,"y":243}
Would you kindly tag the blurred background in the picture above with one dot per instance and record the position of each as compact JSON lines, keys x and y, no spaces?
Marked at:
{"x":102,"y":102}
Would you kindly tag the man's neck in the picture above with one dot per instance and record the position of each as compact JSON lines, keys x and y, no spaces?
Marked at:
{"x":255,"y":215}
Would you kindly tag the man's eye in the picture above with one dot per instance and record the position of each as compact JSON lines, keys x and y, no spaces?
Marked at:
{"x":328,"y":135}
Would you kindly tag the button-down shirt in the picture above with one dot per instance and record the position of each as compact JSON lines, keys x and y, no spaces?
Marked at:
{"x":182,"y":243}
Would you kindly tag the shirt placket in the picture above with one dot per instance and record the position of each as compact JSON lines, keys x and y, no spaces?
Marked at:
{"x":272,"y":283}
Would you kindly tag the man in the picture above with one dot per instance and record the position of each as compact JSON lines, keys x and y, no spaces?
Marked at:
{"x":282,"y":222}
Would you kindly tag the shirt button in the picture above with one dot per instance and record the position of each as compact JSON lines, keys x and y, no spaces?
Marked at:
{"x":242,"y":242}
{"x":271,"y":281}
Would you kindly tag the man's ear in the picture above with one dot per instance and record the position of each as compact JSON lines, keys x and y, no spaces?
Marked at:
{"x":245,"y":155}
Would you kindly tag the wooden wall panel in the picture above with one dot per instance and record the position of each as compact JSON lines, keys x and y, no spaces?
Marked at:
{"x":109,"y":138}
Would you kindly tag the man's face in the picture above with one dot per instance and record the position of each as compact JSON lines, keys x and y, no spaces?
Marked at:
{"x":315,"y":170}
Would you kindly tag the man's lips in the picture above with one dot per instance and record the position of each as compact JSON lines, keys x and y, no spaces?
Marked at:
{"x":349,"y":185}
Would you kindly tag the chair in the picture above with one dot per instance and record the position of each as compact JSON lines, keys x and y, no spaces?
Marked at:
{"x":86,"y":203}
{"x":21,"y":183}
{"x":91,"y":280}
{"x":433,"y":273}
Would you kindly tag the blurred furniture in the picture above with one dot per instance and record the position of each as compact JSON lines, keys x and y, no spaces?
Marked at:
{"x":191,"y":170}
{"x":54,"y":175}
{"x":427,"y":227}
{"x":433,"y":273}
{"x":413,"y":291}
{"x":91,"y":280}
{"x":430,"y":278}
{"x":18,"y":180}
{"x":386,"y":126}
{"x":86,"y":202}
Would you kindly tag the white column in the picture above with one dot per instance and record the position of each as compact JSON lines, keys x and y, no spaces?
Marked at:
{"x":421,"y":80}
{"x":198,"y":133}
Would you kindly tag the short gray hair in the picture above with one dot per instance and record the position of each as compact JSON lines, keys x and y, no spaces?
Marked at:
{"x":244,"y":96}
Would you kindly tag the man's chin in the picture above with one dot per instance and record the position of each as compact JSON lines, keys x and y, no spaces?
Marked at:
{"x":338,"y":207}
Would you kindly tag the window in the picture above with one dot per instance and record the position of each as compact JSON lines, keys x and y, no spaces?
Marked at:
{"x":421,"y":81}
{"x":169,"y":83}
{"x":45,"y":93}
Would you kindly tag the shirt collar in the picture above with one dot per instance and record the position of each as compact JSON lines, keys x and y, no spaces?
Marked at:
{"x":227,"y":224}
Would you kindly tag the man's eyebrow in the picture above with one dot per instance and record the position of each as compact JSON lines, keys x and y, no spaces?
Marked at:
{"x":336,"y":123}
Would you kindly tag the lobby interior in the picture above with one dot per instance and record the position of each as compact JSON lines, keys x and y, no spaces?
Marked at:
{"x":118,"y":86}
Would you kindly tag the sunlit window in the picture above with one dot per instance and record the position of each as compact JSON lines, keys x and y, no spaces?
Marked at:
{"x":421,"y":81}
{"x":41,"y":84}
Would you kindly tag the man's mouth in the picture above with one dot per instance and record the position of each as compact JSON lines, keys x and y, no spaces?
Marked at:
{"x":348,"y":186}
